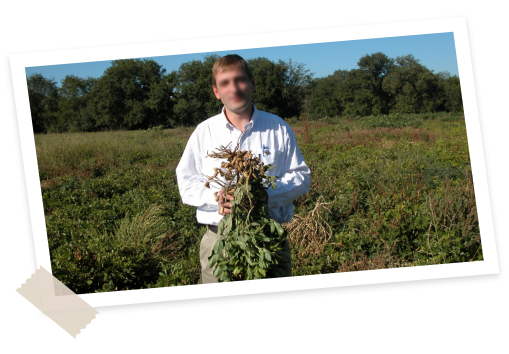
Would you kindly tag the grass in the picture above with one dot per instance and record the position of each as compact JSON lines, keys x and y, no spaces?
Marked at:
{"x":386,"y":191}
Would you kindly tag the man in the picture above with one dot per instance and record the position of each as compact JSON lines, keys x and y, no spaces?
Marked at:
{"x":266,"y":135}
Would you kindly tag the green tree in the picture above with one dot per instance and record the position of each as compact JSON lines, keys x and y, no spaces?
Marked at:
{"x":308,"y":90}
{"x":269,"y":79}
{"x":280,"y":87}
{"x":195,"y":100}
{"x":413,"y":88}
{"x":121,"y":96}
{"x":356,"y":94}
{"x":452,"y":92}
{"x":361,"y":92}
{"x":161,"y":100}
{"x":325,"y":99}
{"x":375,"y":68}
{"x":43,"y":97}
{"x":74,"y":96}
{"x":382,"y":85}
{"x":296,"y":78}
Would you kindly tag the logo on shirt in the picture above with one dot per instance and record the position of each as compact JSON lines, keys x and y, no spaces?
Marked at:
{"x":265,"y":150}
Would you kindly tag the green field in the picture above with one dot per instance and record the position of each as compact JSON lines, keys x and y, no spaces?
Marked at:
{"x":386,"y":191}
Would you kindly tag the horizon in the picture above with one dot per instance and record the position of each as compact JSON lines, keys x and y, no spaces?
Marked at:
{"x":435,"y":51}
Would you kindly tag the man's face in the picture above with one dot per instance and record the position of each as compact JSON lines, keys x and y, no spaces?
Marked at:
{"x":234,"y":89}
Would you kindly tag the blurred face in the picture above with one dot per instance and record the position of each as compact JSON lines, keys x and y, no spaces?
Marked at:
{"x":234,"y":89}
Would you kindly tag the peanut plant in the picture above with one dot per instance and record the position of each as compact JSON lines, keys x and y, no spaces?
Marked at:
{"x":251,"y":242}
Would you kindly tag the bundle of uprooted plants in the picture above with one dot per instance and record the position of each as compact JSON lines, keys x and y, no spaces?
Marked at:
{"x":251,"y":242}
{"x":309,"y":233}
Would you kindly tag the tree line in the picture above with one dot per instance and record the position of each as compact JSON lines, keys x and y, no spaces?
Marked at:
{"x":138,"y":94}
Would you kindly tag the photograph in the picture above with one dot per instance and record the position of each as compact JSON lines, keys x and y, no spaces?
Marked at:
{"x":269,"y":162}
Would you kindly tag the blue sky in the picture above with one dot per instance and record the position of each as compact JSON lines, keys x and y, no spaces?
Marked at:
{"x":435,"y":51}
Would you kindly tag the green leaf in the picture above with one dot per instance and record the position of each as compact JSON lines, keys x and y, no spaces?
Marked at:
{"x":213,"y":260}
{"x":220,"y":246}
{"x":217,"y":271}
{"x":274,"y":185}
{"x":223,"y":277}
{"x":216,"y":246}
{"x":279,"y":228}
{"x":228,"y":225}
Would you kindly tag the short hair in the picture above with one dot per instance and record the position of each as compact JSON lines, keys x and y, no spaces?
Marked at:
{"x":227,"y":62}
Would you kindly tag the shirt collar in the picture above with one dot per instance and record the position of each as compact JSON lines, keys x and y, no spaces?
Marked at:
{"x":251,"y":123}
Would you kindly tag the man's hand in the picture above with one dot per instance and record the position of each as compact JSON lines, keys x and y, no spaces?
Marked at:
{"x":224,"y":208}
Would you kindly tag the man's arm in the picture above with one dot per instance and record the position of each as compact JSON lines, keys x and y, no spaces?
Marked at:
{"x":190,"y":181}
{"x":296,"y":176}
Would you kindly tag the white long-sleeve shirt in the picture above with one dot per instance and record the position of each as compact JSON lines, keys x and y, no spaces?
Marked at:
{"x":267,"y":136}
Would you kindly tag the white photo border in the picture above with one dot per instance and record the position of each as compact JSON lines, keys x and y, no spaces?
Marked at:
{"x":203,"y":45}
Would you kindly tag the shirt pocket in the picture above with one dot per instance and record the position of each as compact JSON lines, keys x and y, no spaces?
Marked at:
{"x":270,"y":156}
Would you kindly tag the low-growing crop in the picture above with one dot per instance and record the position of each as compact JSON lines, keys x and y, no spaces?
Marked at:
{"x":396,"y":191}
